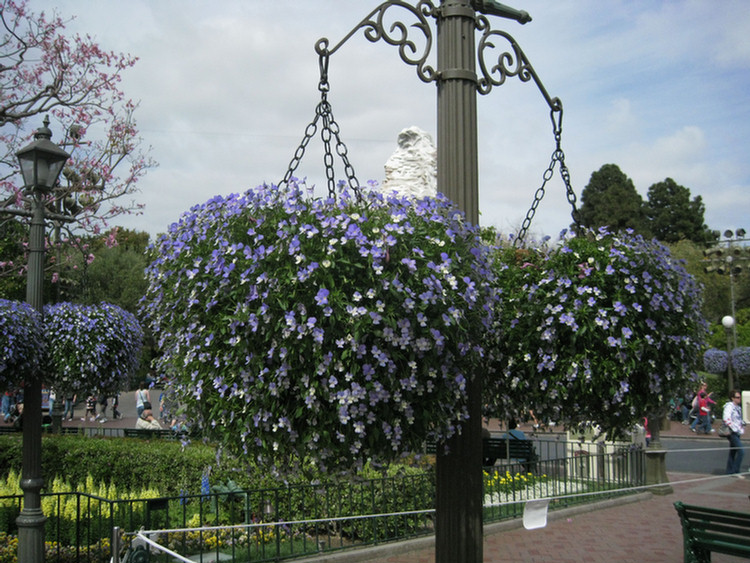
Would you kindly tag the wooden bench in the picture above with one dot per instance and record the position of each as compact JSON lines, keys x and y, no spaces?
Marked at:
{"x":511,"y":450}
{"x":706,"y":530}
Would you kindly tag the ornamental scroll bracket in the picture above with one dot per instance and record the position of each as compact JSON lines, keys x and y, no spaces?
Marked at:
{"x":508,"y":64}
{"x":397,"y":34}
{"x":415,"y":41}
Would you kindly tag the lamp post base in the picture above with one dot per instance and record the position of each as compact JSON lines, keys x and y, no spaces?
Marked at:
{"x":30,"y":524}
{"x":656,"y":464}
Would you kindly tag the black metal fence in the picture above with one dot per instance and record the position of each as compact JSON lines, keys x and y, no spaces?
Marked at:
{"x":295,"y":521}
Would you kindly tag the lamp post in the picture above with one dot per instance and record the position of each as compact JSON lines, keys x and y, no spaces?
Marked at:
{"x":41,"y":163}
{"x":728,"y":324}
{"x":732,"y":259}
{"x":464,"y":69}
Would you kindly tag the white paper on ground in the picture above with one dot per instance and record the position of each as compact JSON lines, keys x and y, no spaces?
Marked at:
{"x":535,"y":514}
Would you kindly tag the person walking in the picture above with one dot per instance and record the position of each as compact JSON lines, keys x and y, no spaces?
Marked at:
{"x":116,"y":403}
{"x":102,"y":416}
{"x":703,"y":420}
{"x":70,"y":402}
{"x":90,"y":408}
{"x":141,"y":397}
{"x":732,"y":417}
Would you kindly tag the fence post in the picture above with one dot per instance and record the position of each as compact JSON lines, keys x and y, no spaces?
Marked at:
{"x":116,"y":544}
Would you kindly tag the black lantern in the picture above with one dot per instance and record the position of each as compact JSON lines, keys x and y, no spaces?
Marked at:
{"x":41,"y":160}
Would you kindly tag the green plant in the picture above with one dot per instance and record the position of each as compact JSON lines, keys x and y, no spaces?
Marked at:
{"x":599,"y":328}
{"x":307,"y":329}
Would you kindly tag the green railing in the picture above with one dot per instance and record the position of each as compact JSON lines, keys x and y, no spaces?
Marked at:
{"x":296,"y":521}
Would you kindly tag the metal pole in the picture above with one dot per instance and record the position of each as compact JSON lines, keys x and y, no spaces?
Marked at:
{"x":458,"y":525}
{"x":31,"y":520}
{"x":731,"y":297}
{"x":116,"y":544}
{"x":730,"y":374}
{"x":457,"y":174}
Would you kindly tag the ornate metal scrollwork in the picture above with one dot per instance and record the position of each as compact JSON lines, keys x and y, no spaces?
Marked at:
{"x":396,"y":34}
{"x":508,"y":63}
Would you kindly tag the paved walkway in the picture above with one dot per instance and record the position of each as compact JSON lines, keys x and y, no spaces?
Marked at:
{"x":643,"y":528}
{"x":639,"y":529}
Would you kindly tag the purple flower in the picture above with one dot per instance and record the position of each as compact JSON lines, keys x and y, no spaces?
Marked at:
{"x":321,"y":298}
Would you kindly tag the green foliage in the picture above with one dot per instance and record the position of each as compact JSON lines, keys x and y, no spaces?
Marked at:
{"x":134,"y":470}
{"x":117,"y":276}
{"x":126,"y":239}
{"x":716,"y":291}
{"x":611,"y":200}
{"x":673,"y":216}
{"x":717,"y":337}
{"x":12,"y":259}
{"x":129,"y":463}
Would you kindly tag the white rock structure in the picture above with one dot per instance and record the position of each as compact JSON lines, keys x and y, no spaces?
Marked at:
{"x":412,"y":168}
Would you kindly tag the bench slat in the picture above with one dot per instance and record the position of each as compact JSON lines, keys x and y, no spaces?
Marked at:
{"x":707,"y":530}
{"x":735,"y":537}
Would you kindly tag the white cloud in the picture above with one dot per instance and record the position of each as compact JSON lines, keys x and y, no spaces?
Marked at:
{"x":227,"y":90}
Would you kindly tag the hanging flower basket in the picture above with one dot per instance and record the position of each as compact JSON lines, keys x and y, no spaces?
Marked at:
{"x":741,"y":360}
{"x":90,"y":348}
{"x":715,"y":361}
{"x":21,"y":342}
{"x":333,"y":330}
{"x":598,"y":328}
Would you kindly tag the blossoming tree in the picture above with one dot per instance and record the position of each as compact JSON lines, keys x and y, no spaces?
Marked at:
{"x":599,"y":329}
{"x":45,"y":71}
{"x":333,"y":331}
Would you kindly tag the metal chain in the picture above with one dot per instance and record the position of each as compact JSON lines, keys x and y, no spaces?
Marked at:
{"x":300,"y":152}
{"x":557,"y":156}
{"x":329,"y":129}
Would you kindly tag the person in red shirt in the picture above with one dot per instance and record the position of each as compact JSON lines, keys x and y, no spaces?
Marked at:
{"x":704,"y":413}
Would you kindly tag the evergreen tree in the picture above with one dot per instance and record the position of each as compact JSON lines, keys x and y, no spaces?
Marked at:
{"x":611,"y":200}
{"x":673,"y":216}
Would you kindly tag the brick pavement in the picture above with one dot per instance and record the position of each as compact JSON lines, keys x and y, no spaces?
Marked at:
{"x":645,"y":531}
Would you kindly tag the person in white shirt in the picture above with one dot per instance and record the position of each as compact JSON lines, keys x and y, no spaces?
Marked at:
{"x":732,"y":417}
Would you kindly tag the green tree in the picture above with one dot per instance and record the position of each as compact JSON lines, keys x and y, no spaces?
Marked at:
{"x":116,"y":276}
{"x":717,"y":290}
{"x":107,"y":268}
{"x":673,"y":216}
{"x":12,"y":260}
{"x":611,"y":200}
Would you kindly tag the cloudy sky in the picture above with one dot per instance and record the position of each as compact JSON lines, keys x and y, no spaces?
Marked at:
{"x":226,"y":89}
